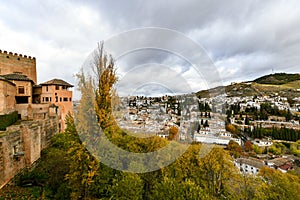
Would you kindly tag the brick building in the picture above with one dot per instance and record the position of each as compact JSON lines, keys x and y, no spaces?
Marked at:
{"x":56,"y":92}
{"x":20,"y":92}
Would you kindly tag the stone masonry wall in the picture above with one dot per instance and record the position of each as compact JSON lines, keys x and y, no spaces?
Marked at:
{"x":7,"y":97}
{"x":21,"y":145}
{"x":13,"y":62}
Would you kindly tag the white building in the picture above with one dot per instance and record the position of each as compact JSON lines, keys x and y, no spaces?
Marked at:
{"x":249,"y":165}
{"x":263,"y":142}
{"x":210,"y":139}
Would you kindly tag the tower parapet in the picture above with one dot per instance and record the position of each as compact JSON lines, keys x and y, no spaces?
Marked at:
{"x":16,"y":55}
{"x":17,"y":63}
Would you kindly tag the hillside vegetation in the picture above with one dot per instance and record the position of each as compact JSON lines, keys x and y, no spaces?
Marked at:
{"x":281,"y":83}
{"x":277,"y":79}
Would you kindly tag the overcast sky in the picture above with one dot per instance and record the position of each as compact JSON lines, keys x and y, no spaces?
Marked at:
{"x":244,"y":39}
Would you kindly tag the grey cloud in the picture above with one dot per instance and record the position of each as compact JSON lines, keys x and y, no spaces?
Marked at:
{"x":152,"y":78}
{"x":245,"y":39}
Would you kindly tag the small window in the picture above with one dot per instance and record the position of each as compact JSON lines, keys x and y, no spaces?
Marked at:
{"x":47,"y":88}
{"x":60,"y":99}
{"x":21,"y":90}
{"x":56,"y":99}
{"x":47,"y":99}
{"x":57,"y":87}
{"x":50,"y":99}
{"x":43,"y":99}
{"x":70,"y":99}
{"x":65,"y":99}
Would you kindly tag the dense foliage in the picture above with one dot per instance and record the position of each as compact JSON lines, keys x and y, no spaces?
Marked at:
{"x":282,"y":133}
{"x":68,"y":171}
{"x":7,"y":120}
{"x":263,"y":113}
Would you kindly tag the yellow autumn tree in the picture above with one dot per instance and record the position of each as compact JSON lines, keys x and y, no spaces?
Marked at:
{"x":173,"y":132}
{"x":104,"y":68}
{"x":94,"y":111}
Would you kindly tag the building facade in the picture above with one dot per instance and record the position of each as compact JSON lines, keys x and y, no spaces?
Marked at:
{"x":7,"y":96}
{"x":249,"y":165}
{"x":57,"y":92}
{"x":20,"y":92}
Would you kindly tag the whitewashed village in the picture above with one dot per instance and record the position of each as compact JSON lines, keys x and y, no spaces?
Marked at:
{"x":204,"y":120}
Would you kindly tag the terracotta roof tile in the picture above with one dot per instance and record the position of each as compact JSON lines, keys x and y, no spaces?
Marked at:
{"x":4,"y":79}
{"x":57,"y":82}
{"x":285,"y":167}
{"x":17,"y":77}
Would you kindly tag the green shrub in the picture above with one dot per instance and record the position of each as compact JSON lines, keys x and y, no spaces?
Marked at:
{"x":7,"y":120}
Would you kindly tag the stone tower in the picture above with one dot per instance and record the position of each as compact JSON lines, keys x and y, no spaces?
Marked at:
{"x":13,"y":63}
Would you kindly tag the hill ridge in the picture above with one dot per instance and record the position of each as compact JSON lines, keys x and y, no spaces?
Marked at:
{"x":283,"y":84}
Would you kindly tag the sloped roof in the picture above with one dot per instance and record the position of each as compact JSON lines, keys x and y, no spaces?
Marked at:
{"x":57,"y":82}
{"x":4,"y":79}
{"x":16,"y":77}
{"x":278,"y":161}
{"x":286,"y":166}
{"x":251,"y":162}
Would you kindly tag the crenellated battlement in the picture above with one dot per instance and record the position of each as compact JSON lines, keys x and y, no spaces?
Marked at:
{"x":15,"y":55}
{"x":17,"y":63}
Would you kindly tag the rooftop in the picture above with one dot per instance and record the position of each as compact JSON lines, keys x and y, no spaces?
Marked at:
{"x":286,"y":167}
{"x":17,"y":77}
{"x":57,"y":82}
{"x":251,"y":162}
{"x":4,"y":79}
{"x":278,"y":161}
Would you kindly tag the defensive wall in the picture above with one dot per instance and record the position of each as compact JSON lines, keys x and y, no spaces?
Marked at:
{"x":21,"y":145}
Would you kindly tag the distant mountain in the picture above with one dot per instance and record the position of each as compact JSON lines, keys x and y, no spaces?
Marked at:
{"x":277,"y":79}
{"x":282,"y":84}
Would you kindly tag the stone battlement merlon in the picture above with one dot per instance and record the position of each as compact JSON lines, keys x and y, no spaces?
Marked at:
{"x":8,"y":54}
{"x":17,"y":63}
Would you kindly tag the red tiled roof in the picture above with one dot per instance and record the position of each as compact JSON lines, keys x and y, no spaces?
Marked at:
{"x":286,"y":167}
{"x":57,"y":82}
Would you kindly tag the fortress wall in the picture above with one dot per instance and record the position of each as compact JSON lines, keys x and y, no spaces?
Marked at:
{"x":21,"y":145}
{"x":10,"y":164}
